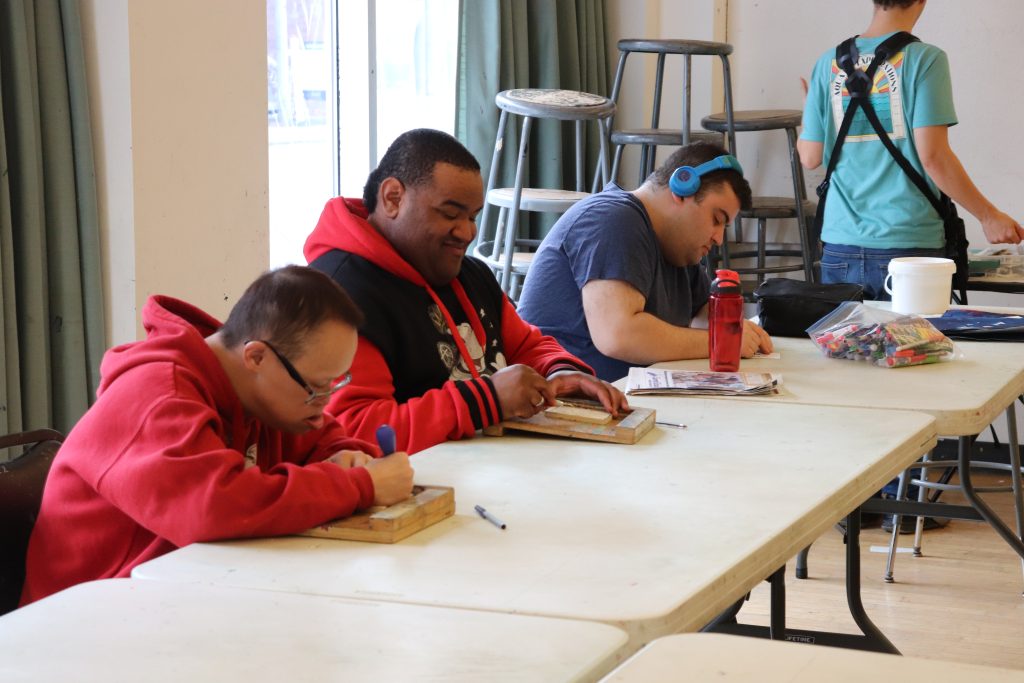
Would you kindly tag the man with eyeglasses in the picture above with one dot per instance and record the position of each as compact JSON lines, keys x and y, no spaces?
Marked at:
{"x":205,"y":432}
{"x":443,"y":352}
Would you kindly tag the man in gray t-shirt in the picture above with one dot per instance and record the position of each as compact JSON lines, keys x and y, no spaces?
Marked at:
{"x":617,"y":280}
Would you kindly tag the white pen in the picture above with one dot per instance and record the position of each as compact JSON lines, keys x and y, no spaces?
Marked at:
{"x":489,"y":517}
{"x":669,"y":424}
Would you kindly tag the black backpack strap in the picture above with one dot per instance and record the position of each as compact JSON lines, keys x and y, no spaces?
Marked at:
{"x":858,"y":84}
{"x":953,"y":227}
{"x":940,"y":206}
{"x":902,"y":161}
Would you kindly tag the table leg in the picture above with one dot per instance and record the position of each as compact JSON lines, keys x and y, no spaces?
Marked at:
{"x":777,"y":625}
{"x":964,"y":461}
{"x":853,"y":598}
{"x":872,"y":639}
{"x":1015,"y":474}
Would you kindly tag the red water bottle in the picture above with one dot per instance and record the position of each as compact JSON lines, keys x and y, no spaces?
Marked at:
{"x":725,"y":321}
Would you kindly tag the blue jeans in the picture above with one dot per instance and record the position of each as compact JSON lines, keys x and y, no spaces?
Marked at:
{"x":866,"y":267}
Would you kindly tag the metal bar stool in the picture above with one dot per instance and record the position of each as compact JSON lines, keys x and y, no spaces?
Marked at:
{"x":651,"y":138}
{"x":503,"y":249}
{"x":769,"y":208}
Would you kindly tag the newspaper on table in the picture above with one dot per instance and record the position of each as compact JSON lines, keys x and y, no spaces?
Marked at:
{"x":699,"y":382}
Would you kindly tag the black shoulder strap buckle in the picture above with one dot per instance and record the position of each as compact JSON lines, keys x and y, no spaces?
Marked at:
{"x":858,"y":82}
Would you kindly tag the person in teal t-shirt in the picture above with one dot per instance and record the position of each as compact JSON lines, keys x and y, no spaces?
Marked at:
{"x":874,"y":212}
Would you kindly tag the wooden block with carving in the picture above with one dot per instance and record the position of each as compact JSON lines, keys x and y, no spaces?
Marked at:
{"x":597,"y":416}
{"x":627,"y":428}
{"x":426,"y":506}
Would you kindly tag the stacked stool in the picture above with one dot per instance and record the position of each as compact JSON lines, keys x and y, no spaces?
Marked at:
{"x":502,"y":249}
{"x":766,"y":208}
{"x":651,"y":138}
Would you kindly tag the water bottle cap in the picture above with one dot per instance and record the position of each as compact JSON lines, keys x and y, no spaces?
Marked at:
{"x":723,"y":274}
{"x":726,"y":282}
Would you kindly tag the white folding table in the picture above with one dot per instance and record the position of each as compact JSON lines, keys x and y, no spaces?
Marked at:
{"x":964,"y":396}
{"x":735,"y":659}
{"x":655,"y":538}
{"x":126,"y":630}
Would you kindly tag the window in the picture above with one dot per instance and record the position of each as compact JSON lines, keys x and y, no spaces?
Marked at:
{"x":344,"y":78}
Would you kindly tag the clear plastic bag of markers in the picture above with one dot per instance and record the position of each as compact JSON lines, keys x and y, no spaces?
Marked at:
{"x":855,"y":331}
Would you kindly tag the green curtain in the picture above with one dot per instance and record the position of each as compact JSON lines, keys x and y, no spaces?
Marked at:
{"x":507,"y":44}
{"x":51,"y":316}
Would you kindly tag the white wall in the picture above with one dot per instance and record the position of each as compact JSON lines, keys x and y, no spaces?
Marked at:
{"x":178,"y":100}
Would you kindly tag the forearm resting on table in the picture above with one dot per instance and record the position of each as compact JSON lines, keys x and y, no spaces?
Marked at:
{"x":621,"y":329}
{"x":644,"y":339}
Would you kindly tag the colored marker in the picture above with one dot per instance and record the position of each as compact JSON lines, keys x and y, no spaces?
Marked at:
{"x":489,"y":517}
{"x":386,"y":439}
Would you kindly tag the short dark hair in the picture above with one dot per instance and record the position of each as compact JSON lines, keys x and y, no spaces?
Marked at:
{"x":282,"y":306}
{"x":889,"y":4}
{"x":695,"y":154}
{"x":411,"y":159}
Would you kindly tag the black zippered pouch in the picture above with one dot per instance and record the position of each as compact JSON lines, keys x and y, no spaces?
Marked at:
{"x":786,"y":308}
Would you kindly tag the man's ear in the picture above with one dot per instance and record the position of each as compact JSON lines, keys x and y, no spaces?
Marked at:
{"x":254,"y":354}
{"x":389,"y":196}
{"x":678,"y":201}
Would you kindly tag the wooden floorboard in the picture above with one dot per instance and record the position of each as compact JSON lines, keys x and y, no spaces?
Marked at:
{"x":962,"y":601}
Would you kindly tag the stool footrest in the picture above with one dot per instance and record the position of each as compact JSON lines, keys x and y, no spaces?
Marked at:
{"x":661,"y":136}
{"x":753,"y":253}
{"x":777,"y":207}
{"x":541,"y":200}
{"x":520,"y":262}
{"x":767,"y":270}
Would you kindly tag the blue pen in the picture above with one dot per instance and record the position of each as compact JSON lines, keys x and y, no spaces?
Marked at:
{"x":386,"y":439}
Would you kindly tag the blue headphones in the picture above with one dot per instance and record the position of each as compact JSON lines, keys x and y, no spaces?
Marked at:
{"x":685,"y":181}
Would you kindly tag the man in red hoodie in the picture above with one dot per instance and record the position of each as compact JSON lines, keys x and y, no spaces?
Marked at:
{"x":204,"y":432}
{"x":443,"y":352}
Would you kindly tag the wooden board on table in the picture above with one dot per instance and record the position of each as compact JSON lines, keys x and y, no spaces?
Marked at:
{"x":628,"y":428}
{"x":426,"y":506}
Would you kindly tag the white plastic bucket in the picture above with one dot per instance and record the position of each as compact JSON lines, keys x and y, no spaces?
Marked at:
{"x":921,"y":285}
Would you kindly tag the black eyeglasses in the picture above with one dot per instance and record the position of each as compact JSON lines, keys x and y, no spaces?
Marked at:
{"x":294,"y":374}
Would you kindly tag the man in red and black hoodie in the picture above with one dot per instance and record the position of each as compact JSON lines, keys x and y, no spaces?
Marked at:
{"x":443,"y":352}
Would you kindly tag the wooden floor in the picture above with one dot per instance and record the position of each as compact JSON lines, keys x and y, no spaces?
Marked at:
{"x":962,"y":601}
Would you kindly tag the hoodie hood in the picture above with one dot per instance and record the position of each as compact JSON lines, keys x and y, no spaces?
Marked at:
{"x":344,"y":225}
{"x":177,"y":331}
